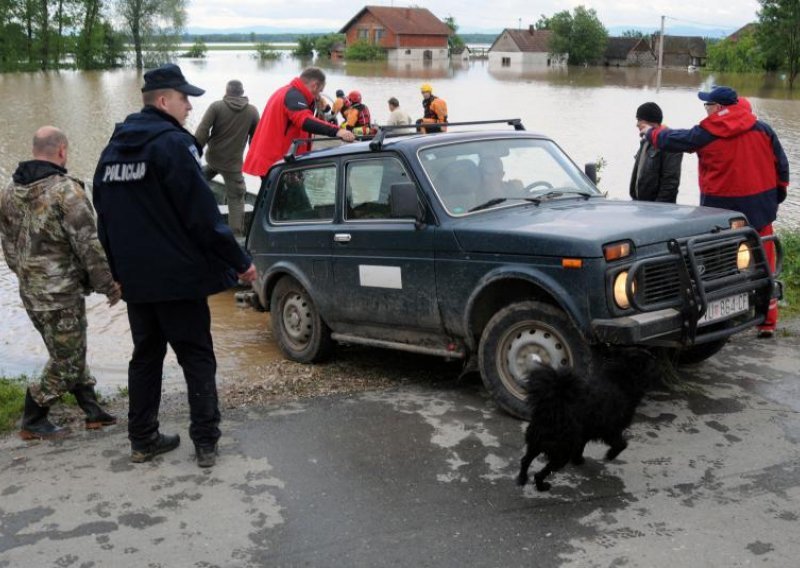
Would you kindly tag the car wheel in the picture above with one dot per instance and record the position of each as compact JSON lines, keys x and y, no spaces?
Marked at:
{"x":301,"y":334}
{"x":699,"y":353}
{"x":521,"y":335}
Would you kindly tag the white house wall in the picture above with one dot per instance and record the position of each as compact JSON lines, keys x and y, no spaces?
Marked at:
{"x":412,"y":54}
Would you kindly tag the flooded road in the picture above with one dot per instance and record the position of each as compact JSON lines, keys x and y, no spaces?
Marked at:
{"x":589,"y":112}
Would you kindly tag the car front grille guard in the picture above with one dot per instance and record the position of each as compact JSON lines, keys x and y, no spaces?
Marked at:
{"x":699,"y":270}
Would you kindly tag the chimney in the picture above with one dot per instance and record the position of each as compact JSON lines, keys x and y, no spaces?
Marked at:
{"x":531,"y":29}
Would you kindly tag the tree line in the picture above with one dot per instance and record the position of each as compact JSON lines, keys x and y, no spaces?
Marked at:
{"x":88,"y":34}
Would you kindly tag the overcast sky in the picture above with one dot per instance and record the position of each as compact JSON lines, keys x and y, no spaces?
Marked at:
{"x":469,"y":14}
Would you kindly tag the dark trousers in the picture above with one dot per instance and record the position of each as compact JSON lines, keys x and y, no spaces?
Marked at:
{"x":186,"y":326}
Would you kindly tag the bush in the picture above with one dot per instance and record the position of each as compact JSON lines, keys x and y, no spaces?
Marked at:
{"x":266,"y":51}
{"x":363,"y":51}
{"x":305,"y":47}
{"x":790,"y":242}
{"x":12,"y":401}
{"x":198,"y":50}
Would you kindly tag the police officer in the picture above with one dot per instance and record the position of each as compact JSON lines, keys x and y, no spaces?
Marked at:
{"x":50,"y":242}
{"x":170,"y":249}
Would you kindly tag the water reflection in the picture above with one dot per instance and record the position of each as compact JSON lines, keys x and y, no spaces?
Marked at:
{"x":589,"y":112}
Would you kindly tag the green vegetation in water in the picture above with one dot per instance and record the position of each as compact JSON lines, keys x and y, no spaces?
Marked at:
{"x":790,"y":276}
{"x":363,"y":51}
{"x":12,"y":401}
{"x":197,"y":51}
{"x":266,"y":52}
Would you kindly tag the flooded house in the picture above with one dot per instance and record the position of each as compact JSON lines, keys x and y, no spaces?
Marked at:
{"x":629,"y":52}
{"x":524,"y":48}
{"x":681,"y":51}
{"x":407,"y":34}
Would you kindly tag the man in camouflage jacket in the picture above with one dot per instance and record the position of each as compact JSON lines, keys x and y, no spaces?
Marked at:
{"x":49,"y":240}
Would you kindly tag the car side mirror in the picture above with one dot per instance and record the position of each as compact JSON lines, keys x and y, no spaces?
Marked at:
{"x":403,"y":201}
{"x":590,"y":169}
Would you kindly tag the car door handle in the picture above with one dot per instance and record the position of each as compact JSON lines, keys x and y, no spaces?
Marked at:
{"x":342,"y":237}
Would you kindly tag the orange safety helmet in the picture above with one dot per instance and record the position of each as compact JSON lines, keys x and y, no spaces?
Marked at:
{"x":354,"y":97}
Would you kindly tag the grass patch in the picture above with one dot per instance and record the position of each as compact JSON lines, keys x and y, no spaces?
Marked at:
{"x":12,"y":401}
{"x":790,"y":242}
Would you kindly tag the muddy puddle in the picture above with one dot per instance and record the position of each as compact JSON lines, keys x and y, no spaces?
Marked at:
{"x":241,"y":339}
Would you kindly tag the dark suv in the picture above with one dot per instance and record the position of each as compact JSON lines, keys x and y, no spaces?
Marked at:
{"x":495,"y":248}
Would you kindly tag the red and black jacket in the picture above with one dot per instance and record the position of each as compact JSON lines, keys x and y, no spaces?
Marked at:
{"x":288,"y":115}
{"x":741,"y":163}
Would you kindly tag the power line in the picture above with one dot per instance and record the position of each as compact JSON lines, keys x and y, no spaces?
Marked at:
{"x":717,"y":26}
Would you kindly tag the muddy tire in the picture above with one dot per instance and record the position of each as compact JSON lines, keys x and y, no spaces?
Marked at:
{"x":298,"y":329}
{"x":699,"y":353}
{"x":519,"y":335}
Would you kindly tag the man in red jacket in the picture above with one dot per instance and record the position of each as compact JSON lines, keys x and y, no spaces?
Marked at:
{"x":288,"y":114}
{"x":741,"y":165}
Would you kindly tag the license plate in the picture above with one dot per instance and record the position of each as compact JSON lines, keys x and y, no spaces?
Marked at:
{"x":725,"y":308}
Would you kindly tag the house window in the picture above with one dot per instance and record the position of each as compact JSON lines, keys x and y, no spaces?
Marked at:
{"x":363,"y":34}
{"x":379,"y":34}
{"x":408,"y":52}
{"x":505,"y":62}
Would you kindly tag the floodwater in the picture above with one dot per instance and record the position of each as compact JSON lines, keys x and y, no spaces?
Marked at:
{"x":589,"y":112}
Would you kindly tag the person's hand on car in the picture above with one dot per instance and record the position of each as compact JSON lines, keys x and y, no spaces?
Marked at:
{"x":346,"y":135}
{"x":248,"y":275}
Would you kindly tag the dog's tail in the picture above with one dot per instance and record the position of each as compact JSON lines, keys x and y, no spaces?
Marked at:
{"x":552,"y":392}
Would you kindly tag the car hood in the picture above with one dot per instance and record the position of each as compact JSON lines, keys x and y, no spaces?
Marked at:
{"x":580,"y":228}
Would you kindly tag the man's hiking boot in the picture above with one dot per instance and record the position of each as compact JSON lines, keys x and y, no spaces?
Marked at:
{"x":96,"y":417}
{"x":206,"y":455}
{"x":160,"y":445}
{"x":35,"y":425}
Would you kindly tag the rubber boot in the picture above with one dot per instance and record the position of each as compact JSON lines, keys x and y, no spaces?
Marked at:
{"x":96,"y":417}
{"x":35,"y":425}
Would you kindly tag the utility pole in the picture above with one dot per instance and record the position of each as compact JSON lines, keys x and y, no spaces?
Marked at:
{"x":661,"y":46}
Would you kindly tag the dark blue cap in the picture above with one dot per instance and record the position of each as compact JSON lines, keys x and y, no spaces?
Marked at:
{"x":169,"y":76}
{"x":724,"y":96}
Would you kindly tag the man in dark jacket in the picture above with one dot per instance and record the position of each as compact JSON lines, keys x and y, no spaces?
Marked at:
{"x":741,"y":165}
{"x":226,"y":127}
{"x":169,"y":248}
{"x":656,"y":174}
{"x":289,"y":114}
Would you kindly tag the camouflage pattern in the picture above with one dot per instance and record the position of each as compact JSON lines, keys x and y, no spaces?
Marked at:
{"x":64,"y":333}
{"x":49,"y":239}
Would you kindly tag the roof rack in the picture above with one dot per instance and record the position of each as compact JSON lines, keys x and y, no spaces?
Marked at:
{"x":377,"y":139}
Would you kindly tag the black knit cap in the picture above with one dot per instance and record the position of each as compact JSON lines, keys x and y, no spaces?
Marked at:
{"x":650,"y":112}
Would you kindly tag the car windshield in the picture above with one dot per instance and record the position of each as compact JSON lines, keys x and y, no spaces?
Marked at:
{"x":483,"y":174}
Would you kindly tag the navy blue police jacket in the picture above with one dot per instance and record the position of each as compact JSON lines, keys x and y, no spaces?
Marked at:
{"x":156,"y":216}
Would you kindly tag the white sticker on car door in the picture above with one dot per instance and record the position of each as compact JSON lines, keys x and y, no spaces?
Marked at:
{"x":373,"y":276}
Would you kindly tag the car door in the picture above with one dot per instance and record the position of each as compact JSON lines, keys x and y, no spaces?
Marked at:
{"x":383,"y":268}
{"x":300,"y":225}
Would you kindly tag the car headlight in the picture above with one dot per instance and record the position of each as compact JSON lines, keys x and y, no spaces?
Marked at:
{"x":620,"y":294}
{"x":744,"y":258}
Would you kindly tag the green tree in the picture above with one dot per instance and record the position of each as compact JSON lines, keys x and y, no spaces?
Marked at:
{"x":779,"y":35}
{"x":198,"y":49}
{"x":543,"y":23}
{"x":454,"y":41}
{"x":324,"y":44}
{"x":305,"y":47}
{"x":154,"y":27}
{"x":739,"y":55}
{"x":633,"y":33}
{"x":579,"y":34}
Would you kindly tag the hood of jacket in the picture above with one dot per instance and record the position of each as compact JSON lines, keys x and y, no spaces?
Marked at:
{"x":141,"y":127}
{"x":730,"y":121}
{"x":32,"y":171}
{"x":236,"y":104}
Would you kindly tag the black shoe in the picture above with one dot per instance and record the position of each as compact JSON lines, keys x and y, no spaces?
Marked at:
{"x":766,"y":333}
{"x":161,"y":445}
{"x":96,"y":417}
{"x":35,"y":425}
{"x":206,"y":455}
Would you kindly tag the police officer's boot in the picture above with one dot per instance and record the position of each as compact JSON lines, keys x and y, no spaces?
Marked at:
{"x":35,"y":425}
{"x":96,"y":417}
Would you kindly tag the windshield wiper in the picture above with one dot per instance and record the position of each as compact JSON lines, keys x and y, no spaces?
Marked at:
{"x":498,"y":200}
{"x":554,"y":193}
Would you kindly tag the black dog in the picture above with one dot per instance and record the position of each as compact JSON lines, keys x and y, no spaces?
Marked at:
{"x":568,"y":410}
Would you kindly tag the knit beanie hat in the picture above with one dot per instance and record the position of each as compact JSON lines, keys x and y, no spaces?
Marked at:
{"x":650,"y":112}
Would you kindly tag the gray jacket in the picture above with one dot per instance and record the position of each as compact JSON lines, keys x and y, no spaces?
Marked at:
{"x":226,"y":127}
